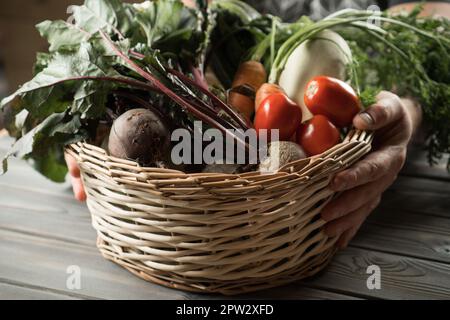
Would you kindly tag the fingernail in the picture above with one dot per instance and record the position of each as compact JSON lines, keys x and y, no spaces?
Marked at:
{"x":367,"y":118}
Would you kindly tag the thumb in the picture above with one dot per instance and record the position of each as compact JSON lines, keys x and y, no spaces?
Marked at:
{"x":385,"y":111}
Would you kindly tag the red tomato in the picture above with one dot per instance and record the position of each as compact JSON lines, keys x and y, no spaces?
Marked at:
{"x":332,"y":98}
{"x":277,"y":111}
{"x":317,"y":135}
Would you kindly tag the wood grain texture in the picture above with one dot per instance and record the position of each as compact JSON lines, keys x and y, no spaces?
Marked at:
{"x":401,"y":277}
{"x":23,"y":292}
{"x":421,"y":184}
{"x":418,"y":201}
{"x":412,"y":220}
{"x":297,"y":291}
{"x":43,"y":263}
{"x":406,"y":233}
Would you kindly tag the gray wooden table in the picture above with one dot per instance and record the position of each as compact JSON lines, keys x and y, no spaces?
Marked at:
{"x":43,"y":231}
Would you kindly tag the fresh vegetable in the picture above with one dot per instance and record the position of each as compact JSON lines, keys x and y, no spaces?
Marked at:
{"x":115,"y":53}
{"x":280,"y":153}
{"x":264,"y":91}
{"x":404,"y":53}
{"x":239,"y":27}
{"x":317,"y":135}
{"x":141,"y":135}
{"x":153,"y":56}
{"x":332,"y":98}
{"x":326,"y":53}
{"x":253,"y":75}
{"x":277,"y":111}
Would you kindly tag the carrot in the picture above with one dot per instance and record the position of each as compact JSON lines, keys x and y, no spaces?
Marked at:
{"x":264,"y":91}
{"x":252,"y":74}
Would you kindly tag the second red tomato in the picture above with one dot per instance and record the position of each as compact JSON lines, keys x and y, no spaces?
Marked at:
{"x":317,"y":135}
{"x":277,"y":111}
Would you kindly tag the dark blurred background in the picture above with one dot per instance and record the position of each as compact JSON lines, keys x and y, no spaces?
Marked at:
{"x":19,"y":40}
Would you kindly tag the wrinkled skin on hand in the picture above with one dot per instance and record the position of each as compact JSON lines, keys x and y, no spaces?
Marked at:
{"x":363,"y":184}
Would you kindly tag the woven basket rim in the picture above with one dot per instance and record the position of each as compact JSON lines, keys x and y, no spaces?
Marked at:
{"x":285,"y":169}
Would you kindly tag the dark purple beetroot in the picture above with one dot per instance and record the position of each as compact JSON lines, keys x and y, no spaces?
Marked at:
{"x":140,"y":135}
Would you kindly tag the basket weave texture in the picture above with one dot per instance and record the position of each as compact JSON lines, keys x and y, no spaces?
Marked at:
{"x":224,"y":233}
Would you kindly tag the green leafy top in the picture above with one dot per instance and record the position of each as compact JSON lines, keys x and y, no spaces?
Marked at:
{"x":109,"y":57}
{"x":74,"y":81}
{"x":115,"y":56}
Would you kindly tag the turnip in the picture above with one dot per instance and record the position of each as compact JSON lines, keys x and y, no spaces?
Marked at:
{"x":280,"y":153}
{"x":326,"y":54}
{"x":141,"y":135}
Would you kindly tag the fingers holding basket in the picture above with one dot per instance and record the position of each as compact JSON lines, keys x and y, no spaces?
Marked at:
{"x":346,"y":213}
{"x":77,"y":183}
{"x":355,"y":198}
{"x":347,"y":226}
{"x":385,"y":161}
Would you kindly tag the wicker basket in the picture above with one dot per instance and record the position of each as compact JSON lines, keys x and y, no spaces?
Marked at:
{"x":226,"y":233}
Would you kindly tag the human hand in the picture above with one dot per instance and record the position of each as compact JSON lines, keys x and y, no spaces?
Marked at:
{"x":363,"y":184}
{"x":77,"y":183}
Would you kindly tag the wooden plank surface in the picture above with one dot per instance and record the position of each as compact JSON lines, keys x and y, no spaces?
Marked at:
{"x":401,"y":277}
{"x":411,"y":234}
{"x":419,"y":201}
{"x":10,"y":291}
{"x":44,"y":230}
{"x":43,"y":262}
